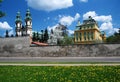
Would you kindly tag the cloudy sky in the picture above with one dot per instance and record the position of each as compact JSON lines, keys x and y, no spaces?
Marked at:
{"x":48,"y":13}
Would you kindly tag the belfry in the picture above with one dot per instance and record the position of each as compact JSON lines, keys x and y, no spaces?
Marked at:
{"x":23,"y":30}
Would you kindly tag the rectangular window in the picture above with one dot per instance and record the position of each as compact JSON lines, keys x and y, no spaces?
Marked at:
{"x":77,"y":36}
{"x":92,"y":26}
{"x":88,"y":35}
{"x":92,"y":35}
{"x":84,"y":35}
{"x":80,"y":36}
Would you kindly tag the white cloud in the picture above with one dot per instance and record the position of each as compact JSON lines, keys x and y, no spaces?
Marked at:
{"x":5,"y":26}
{"x":106,"y":21}
{"x":106,"y":26}
{"x":90,"y":13}
{"x":70,"y":31}
{"x":94,"y":15}
{"x":11,"y":32}
{"x":52,"y":27}
{"x":103,"y":18}
{"x":65,"y":20}
{"x":77,"y":16}
{"x":49,"y":5}
{"x":68,"y":20}
{"x":84,"y":1}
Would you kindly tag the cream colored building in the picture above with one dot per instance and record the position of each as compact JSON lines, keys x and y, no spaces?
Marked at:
{"x":88,"y":32}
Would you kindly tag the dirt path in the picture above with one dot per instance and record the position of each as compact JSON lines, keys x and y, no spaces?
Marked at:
{"x":59,"y":64}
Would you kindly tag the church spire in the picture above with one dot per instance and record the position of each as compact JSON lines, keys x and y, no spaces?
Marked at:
{"x":18,"y":24}
{"x":28,"y":15}
{"x":18,"y":17}
{"x":28,"y":23}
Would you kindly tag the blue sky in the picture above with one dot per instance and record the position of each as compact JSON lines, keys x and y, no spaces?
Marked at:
{"x":48,"y":13}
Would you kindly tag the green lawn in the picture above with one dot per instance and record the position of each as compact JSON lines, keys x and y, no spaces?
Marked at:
{"x":60,"y":74}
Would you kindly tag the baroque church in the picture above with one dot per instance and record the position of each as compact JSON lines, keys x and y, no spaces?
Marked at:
{"x":23,"y":30}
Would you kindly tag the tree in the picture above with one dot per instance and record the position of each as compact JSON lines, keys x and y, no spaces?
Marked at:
{"x":119,"y":31}
{"x":114,"y":38}
{"x":7,"y":33}
{"x":67,"y":40}
{"x":42,"y":36}
{"x":34,"y":36}
{"x":37,"y":36}
{"x":12,"y":35}
{"x":46,"y":35}
{"x":1,"y":13}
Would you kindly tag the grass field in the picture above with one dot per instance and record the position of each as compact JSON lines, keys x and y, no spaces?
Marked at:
{"x":60,"y":74}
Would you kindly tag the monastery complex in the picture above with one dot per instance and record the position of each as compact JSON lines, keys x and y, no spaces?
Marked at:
{"x":86,"y":33}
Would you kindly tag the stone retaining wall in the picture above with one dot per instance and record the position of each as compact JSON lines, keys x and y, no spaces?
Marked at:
{"x":20,"y":47}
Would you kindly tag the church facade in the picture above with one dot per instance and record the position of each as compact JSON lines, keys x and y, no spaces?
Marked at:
{"x":23,"y":30}
{"x":88,"y":32}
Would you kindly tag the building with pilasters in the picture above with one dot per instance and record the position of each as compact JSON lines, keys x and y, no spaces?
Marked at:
{"x":88,"y":32}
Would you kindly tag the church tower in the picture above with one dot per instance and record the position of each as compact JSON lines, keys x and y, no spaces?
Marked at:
{"x":28,"y":23}
{"x":18,"y":24}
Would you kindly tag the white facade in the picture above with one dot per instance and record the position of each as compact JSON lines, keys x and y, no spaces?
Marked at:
{"x":56,"y":36}
{"x":24,"y":30}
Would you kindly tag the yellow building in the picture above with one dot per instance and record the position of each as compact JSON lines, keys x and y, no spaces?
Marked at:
{"x":88,"y":32}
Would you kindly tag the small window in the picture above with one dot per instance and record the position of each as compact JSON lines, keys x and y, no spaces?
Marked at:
{"x":88,"y":27}
{"x":88,"y":35}
{"x":80,"y":36}
{"x":84,"y":38}
{"x":91,"y":26}
{"x":80,"y":39}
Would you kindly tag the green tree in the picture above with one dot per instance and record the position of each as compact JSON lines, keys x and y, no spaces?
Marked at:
{"x":12,"y":35}
{"x":46,"y":35}
{"x":34,"y":36}
{"x":1,"y":13}
{"x":7,"y":33}
{"x":42,"y":36}
{"x":67,"y":40}
{"x":37,"y":36}
{"x":114,"y":38}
